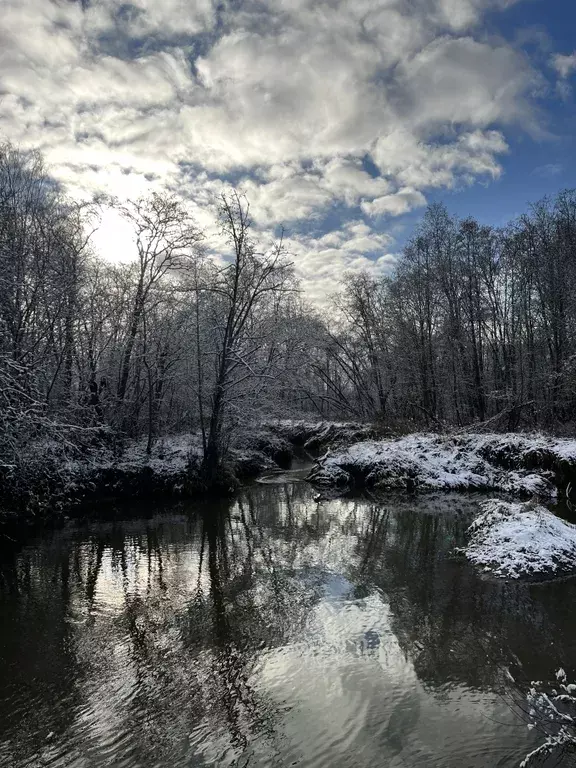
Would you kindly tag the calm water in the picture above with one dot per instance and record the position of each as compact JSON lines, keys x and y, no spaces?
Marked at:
{"x":269,"y":631}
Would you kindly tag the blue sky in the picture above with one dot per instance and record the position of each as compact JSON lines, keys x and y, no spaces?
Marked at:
{"x":339,"y":119}
{"x":535,"y":165}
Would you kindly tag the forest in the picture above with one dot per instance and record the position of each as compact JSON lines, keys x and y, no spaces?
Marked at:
{"x":474,"y":326}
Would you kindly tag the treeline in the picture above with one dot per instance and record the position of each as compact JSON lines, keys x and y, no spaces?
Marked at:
{"x":475,"y":324}
{"x":178,"y":340}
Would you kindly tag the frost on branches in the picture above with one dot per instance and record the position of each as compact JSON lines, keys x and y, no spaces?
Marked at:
{"x":553,"y":714}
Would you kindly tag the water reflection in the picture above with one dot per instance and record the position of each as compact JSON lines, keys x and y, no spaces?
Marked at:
{"x":272,"y":630}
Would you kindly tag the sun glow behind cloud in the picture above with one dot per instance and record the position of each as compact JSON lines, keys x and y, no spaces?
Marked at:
{"x":323,"y":113}
{"x":114,"y":239}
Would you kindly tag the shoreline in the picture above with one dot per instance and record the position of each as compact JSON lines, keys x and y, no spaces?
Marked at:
{"x":62,"y":485}
{"x":518,"y":465}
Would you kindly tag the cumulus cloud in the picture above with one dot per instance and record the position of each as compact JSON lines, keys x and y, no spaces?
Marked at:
{"x":313,"y":108}
{"x":400,"y":202}
{"x":321,"y":261}
{"x":418,"y":164}
{"x":167,"y":18}
{"x":564,"y":65}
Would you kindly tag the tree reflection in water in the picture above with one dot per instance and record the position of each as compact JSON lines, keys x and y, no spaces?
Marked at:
{"x":268,"y":630}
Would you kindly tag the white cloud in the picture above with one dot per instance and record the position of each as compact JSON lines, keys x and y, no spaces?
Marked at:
{"x":347,"y":180}
{"x":288,"y":199}
{"x":462,"y":14}
{"x":564,"y":65}
{"x":322,"y":261}
{"x":287,"y":193}
{"x":400,"y":202}
{"x":314,"y":108}
{"x":466,"y":82}
{"x":168,"y":17}
{"x":418,"y":165}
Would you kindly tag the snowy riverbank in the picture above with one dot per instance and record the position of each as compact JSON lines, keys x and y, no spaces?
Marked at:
{"x":518,"y":464}
{"x":318,"y":435}
{"x":173,"y":466}
{"x":55,"y":478}
{"x":521,"y":540}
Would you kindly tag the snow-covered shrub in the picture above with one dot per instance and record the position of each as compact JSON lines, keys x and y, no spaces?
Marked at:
{"x":552,"y":712}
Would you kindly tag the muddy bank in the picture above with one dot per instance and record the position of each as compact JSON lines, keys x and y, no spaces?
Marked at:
{"x":520,"y":465}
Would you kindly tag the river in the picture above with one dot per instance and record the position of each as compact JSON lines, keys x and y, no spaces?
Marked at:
{"x":270,"y":630}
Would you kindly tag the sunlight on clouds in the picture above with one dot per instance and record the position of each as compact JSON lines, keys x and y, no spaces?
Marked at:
{"x":401,"y":202}
{"x":114,"y":238}
{"x":313,"y":109}
{"x":322,"y":261}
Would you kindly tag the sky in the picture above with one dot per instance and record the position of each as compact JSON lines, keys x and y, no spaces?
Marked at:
{"x":339,"y":119}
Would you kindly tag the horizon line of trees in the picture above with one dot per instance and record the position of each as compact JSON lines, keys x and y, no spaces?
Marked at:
{"x":476,"y":325}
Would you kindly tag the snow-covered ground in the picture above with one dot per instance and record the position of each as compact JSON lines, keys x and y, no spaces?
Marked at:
{"x":57,"y":475}
{"x":101,"y":465}
{"x":514,"y":540}
{"x":169,"y":455}
{"x":523,"y":449}
{"x":516,"y":464}
{"x":172,"y":467}
{"x":174,"y":453}
{"x":317,"y":434}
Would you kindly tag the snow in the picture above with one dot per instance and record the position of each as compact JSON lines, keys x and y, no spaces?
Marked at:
{"x":523,"y":448}
{"x":513,"y":540}
{"x":552,"y":713}
{"x":435,"y":462}
{"x":315,"y":434}
{"x":318,"y":426}
{"x":173,"y":454}
{"x":169,"y":454}
{"x":172,"y":466}
{"x":330,"y":476}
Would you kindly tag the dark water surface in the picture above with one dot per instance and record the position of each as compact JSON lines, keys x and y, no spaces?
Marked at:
{"x":269,"y":631}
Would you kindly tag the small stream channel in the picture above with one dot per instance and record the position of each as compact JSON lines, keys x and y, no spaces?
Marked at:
{"x":270,"y":630}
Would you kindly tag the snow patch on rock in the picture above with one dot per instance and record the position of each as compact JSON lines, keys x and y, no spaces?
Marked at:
{"x":514,"y":540}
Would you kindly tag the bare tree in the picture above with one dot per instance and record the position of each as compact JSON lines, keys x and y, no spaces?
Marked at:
{"x":165,"y":239}
{"x":247,"y":286}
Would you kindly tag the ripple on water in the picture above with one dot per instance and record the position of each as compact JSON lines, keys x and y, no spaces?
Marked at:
{"x":290,"y":633}
{"x":283,"y":476}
